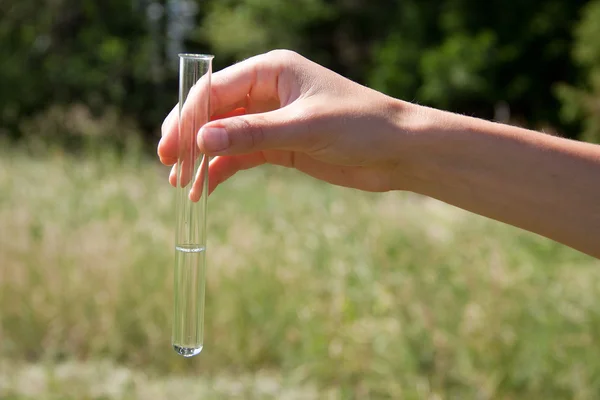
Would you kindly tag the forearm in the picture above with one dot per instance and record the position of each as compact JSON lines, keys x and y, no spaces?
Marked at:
{"x":541,"y":183}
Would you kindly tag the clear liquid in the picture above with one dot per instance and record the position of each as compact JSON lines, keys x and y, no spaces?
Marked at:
{"x":188,"y":324}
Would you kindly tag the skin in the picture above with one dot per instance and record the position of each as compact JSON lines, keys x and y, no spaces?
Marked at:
{"x":281,"y":108}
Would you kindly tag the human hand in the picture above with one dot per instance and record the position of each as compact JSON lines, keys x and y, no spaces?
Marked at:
{"x":280,"y":108}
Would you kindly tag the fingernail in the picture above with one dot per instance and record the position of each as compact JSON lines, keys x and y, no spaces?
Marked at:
{"x":214,"y":139}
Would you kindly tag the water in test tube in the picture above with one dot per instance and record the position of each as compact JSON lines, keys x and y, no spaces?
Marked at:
{"x":191,"y":200}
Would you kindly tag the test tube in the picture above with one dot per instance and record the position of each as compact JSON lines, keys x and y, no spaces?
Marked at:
{"x":191,"y":200}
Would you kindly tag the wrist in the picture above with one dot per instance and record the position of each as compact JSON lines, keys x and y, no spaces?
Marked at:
{"x":418,"y":146}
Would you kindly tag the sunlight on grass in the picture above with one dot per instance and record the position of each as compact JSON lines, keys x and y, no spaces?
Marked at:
{"x":339,"y":292}
{"x":103,"y":380}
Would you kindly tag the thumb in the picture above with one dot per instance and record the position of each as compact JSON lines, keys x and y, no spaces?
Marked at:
{"x":277,"y":129}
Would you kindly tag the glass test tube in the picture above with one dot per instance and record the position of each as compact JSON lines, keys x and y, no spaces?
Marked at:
{"x":190,"y":208}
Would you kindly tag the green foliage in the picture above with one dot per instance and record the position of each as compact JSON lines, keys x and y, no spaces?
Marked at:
{"x":75,"y":128}
{"x":397,"y":56}
{"x":454,"y":70}
{"x":468,"y":55}
{"x":462,"y":55}
{"x":242,"y":29}
{"x":92,"y":53}
{"x":582,"y":102}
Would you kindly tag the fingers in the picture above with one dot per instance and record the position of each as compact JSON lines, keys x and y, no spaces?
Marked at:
{"x":254,"y":85}
{"x":169,"y":121}
{"x":184,"y":120}
{"x":173,"y":161}
{"x":185,"y":169}
{"x":256,"y":80}
{"x":222,"y":168}
{"x":257,"y":77}
{"x":163,"y":146}
{"x":167,"y":147}
{"x":233,"y":113}
{"x":282,"y":129}
{"x":199,"y":180}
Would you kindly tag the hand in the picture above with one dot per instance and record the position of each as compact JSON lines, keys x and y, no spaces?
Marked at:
{"x":283,"y":109}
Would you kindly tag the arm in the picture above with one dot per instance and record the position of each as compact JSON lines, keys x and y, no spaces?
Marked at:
{"x":538,"y":182}
{"x":283,"y":109}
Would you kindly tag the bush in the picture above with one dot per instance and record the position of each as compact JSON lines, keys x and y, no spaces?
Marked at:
{"x":581,"y":102}
{"x":75,"y":128}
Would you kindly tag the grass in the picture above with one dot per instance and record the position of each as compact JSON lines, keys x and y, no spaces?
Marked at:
{"x":313,"y":291}
{"x":105,"y":380}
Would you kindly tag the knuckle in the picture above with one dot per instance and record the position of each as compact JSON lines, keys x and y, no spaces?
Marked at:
{"x":252,"y":132}
{"x":309,"y":111}
{"x":283,"y":55}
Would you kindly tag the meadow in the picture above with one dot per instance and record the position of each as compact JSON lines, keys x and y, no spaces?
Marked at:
{"x":313,"y":291}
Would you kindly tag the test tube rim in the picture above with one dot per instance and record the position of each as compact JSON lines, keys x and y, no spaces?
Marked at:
{"x":192,"y":56}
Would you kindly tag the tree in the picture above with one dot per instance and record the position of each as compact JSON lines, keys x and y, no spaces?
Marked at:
{"x":581,"y":102}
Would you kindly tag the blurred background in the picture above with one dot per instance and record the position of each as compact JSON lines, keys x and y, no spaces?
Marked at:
{"x":313,"y":291}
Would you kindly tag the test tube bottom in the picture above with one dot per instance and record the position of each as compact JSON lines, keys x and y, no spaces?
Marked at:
{"x":188,"y":327}
{"x":187,"y":351}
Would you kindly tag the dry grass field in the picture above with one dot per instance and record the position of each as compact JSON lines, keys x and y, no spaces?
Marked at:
{"x":313,"y":291}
